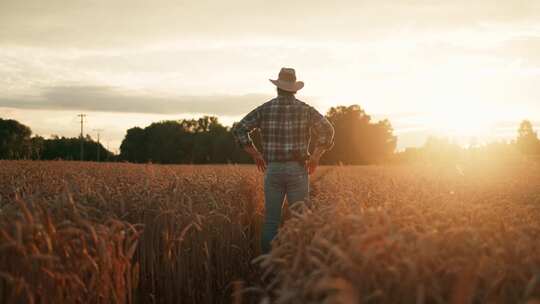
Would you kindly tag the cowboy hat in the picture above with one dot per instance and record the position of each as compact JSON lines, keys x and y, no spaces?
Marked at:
{"x":287,"y":80}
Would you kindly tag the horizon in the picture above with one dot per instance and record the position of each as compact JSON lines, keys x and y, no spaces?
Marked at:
{"x":463,"y":142}
{"x":430,"y":68}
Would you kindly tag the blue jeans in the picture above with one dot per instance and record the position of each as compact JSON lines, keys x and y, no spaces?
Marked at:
{"x":281,"y":179}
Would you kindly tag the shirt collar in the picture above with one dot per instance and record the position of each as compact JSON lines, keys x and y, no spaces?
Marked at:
{"x":286,"y":98}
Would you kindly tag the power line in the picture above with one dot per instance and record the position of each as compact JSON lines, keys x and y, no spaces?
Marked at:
{"x":98,"y":145}
{"x":82,"y":116}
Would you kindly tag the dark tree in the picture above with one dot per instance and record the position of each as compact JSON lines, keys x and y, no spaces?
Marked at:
{"x":15,"y":142}
{"x":168,"y":142}
{"x":133,"y":147}
{"x":357,"y":140}
{"x":69,"y":149}
{"x":38,"y":146}
{"x":207,"y":132}
{"x":188,"y":141}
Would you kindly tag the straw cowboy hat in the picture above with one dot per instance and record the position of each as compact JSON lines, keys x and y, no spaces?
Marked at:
{"x":287,"y":80}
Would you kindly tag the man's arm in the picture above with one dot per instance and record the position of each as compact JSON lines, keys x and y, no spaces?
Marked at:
{"x":257,"y":157}
{"x":241,"y":133}
{"x":323,"y":130}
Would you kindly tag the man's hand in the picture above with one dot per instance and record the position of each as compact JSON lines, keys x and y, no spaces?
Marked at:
{"x":257,"y":157}
{"x":313,"y":162}
{"x":259,"y":160}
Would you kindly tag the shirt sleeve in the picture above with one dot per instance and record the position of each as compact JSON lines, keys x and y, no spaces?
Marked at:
{"x":242,"y":129}
{"x":322,"y":130}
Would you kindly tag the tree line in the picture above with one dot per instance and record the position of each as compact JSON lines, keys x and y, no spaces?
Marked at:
{"x":205,"y":140}
{"x":358,"y":141}
{"x":17,"y":142}
{"x":188,"y":141}
{"x":199,"y":141}
{"x":437,"y":150}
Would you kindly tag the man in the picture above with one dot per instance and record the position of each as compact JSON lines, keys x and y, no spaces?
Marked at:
{"x":286,"y":124}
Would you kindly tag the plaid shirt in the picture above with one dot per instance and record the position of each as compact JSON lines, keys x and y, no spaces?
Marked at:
{"x":286,"y":124}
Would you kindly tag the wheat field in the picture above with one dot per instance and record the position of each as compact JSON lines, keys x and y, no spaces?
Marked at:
{"x":73,"y":232}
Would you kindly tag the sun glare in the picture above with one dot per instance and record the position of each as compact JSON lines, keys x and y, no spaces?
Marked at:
{"x":462,"y":121}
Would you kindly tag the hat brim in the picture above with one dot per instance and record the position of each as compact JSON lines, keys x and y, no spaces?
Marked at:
{"x":288,"y":86}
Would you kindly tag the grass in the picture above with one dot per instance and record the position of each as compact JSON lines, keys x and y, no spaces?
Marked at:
{"x":75,"y":232}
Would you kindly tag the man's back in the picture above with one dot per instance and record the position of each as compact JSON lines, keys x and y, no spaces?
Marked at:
{"x":286,"y":125}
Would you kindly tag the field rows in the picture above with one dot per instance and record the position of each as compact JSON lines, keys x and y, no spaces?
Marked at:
{"x":119,"y":233}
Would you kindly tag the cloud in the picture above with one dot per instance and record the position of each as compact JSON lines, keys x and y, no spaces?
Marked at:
{"x":110,"y":99}
{"x":77,"y":23}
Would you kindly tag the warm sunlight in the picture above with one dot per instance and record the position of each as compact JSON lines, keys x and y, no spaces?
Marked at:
{"x":463,"y":77}
{"x":242,"y":151}
{"x":462,"y":120}
{"x":440,"y":105}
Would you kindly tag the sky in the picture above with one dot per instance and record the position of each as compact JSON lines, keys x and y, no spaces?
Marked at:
{"x":467,"y":70}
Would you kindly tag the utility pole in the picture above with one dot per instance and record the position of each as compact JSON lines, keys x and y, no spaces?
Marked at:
{"x":82,"y":116}
{"x":98,"y":145}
